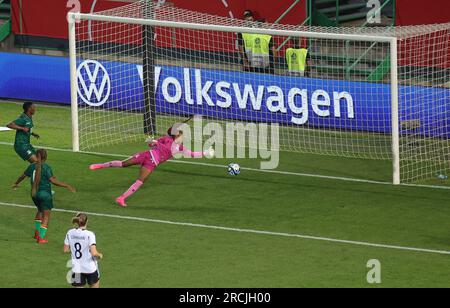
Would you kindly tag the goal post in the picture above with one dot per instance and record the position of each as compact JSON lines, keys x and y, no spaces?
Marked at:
{"x":396,"y":179}
{"x":73,"y":82}
{"x":148,"y":74}
{"x":367,"y":93}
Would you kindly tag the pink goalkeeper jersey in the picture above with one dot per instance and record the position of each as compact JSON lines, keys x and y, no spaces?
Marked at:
{"x":166,"y":148}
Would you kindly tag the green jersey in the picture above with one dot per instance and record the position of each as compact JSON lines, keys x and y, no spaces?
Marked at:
{"x":46,"y":174}
{"x":23,"y":138}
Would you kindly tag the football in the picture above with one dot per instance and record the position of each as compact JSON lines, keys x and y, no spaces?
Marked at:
{"x":234,"y":169}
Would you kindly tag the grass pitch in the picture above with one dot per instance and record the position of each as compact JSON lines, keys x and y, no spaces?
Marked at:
{"x":142,"y":252}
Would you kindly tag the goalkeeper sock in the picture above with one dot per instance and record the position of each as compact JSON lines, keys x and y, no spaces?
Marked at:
{"x":43,"y":231}
{"x":132,"y":189}
{"x":112,"y":164}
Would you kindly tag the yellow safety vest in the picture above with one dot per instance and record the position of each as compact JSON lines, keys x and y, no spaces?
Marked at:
{"x":261,"y":51}
{"x":296,"y":60}
{"x":248,"y":45}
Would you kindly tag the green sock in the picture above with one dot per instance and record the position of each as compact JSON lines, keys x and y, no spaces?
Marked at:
{"x":42,"y":231}
{"x":37,"y":225}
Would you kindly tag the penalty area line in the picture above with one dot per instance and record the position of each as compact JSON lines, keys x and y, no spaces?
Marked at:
{"x":239,"y":230}
{"x":317,"y":176}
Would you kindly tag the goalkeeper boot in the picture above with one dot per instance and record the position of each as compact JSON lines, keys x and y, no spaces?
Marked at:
{"x":96,"y":166}
{"x":121,"y":201}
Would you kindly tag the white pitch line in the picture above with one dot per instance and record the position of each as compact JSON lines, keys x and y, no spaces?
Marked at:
{"x":239,"y":230}
{"x":327,"y":177}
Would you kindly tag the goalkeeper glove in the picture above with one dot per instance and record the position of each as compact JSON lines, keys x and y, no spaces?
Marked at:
{"x":151,"y":141}
{"x":209,"y":153}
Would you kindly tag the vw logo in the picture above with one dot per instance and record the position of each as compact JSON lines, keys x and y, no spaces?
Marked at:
{"x":94,"y":84}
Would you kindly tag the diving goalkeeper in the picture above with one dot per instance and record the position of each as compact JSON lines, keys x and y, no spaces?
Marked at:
{"x":161,"y":151}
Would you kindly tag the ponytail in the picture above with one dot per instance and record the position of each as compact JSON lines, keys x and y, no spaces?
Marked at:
{"x":41,"y":158}
{"x":80,"y":220}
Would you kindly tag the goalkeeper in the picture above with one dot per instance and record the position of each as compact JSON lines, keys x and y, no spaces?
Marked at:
{"x":161,"y":151}
{"x":24,"y":130}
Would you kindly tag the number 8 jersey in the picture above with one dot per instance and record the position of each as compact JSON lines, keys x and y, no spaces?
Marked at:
{"x":80,"y":242}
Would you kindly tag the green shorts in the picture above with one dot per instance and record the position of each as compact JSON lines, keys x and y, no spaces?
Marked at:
{"x":43,"y":201}
{"x":25,"y":151}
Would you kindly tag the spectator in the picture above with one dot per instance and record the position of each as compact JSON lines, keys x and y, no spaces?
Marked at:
{"x":245,"y":41}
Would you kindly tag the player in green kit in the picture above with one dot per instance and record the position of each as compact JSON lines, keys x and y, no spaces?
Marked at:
{"x":24,"y":130}
{"x":42,"y":178}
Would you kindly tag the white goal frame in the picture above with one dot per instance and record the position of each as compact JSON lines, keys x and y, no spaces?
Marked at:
{"x":392,"y":41}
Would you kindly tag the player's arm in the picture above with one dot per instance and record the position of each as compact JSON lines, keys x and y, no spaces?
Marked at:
{"x":14,"y":126}
{"x":58,"y":183}
{"x":66,"y":244}
{"x":95,"y":253}
{"x":188,"y":153}
{"x":241,"y":45}
{"x":309,"y":64}
{"x":244,"y":56}
{"x":274,"y":50}
{"x":35,"y":135}
{"x":19,"y":180}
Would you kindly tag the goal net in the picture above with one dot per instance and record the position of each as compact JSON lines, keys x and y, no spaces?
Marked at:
{"x":372,"y":93}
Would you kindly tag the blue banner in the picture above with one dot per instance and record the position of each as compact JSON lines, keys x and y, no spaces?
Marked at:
{"x":36,"y":78}
{"x":302,"y":102}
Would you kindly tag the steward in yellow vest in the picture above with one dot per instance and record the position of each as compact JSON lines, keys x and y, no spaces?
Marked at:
{"x":297,"y":59}
{"x":245,"y":41}
{"x":261,"y":51}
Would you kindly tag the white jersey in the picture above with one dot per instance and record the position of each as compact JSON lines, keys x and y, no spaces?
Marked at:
{"x":80,"y":242}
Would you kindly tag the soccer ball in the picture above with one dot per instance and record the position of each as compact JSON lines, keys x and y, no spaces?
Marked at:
{"x":234,"y":169}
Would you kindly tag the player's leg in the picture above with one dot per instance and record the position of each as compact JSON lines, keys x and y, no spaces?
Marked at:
{"x":26,"y":152}
{"x":144,"y":173}
{"x":45,"y":205}
{"x":79,"y":281}
{"x":134,"y":160}
{"x":33,"y":159}
{"x":93,"y":280}
{"x":37,"y":223}
{"x":143,"y":176}
{"x":44,"y":227}
{"x":110,"y":164}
